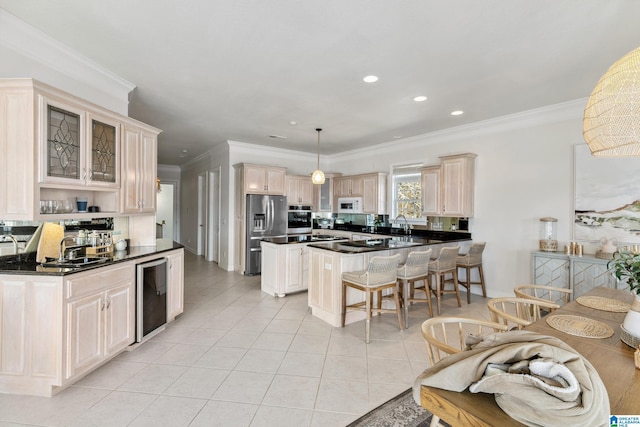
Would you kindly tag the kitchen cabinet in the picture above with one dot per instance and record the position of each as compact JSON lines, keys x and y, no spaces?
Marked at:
{"x":56,"y":329}
{"x":324,"y":194}
{"x":55,"y":146}
{"x":139,"y":170}
{"x":259,"y":179}
{"x":175,"y":288}
{"x":457,"y":174}
{"x":430,"y":182}
{"x":80,"y":145}
{"x":285,"y":268}
{"x":348,"y":186}
{"x":578,"y":273}
{"x":448,"y":188}
{"x":17,"y":152}
{"x":299,"y":190}
{"x":371,"y":187}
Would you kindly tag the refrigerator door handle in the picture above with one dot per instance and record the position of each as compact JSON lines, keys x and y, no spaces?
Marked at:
{"x":272,"y":214}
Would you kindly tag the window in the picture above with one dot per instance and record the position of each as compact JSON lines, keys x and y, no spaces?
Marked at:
{"x":407,"y":192}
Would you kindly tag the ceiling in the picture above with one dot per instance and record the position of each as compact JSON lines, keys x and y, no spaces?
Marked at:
{"x":208,"y":71}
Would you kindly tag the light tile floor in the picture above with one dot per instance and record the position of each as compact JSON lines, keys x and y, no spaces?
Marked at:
{"x":238,"y":357}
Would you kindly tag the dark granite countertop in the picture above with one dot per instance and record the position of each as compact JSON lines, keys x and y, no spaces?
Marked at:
{"x":383,"y":244}
{"x":26,"y":263}
{"x":302,"y":238}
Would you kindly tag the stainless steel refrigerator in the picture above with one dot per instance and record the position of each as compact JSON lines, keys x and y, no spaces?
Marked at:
{"x":266,"y":217}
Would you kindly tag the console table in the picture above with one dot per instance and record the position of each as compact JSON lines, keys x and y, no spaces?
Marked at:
{"x":578,"y":273}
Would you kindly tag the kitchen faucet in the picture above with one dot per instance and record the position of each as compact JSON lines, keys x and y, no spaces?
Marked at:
{"x":61,"y":252}
{"x":405,"y":227}
{"x":15,"y":242}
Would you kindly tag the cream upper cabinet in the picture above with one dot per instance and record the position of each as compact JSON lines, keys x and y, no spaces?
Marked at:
{"x":55,"y":146}
{"x":324,"y":193}
{"x":457,"y":173}
{"x":260,"y":179}
{"x":299,"y":190}
{"x":80,"y":145}
{"x":18,"y":150}
{"x":430,"y":181}
{"x":371,"y":187}
{"x":348,"y":186}
{"x":139,"y":166}
{"x":447,"y":188}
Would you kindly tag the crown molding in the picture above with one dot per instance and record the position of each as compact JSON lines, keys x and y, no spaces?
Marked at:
{"x":41,"y":48}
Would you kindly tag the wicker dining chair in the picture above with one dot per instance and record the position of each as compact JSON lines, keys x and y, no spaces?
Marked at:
{"x":446,"y":335}
{"x":553,"y":294}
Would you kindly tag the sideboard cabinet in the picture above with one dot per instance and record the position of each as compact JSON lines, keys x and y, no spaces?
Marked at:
{"x":578,"y":273}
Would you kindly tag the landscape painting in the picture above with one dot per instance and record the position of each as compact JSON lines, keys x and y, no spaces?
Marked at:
{"x":607,"y":197}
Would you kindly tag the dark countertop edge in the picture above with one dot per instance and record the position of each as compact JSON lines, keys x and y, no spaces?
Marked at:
{"x":328,"y":246}
{"x":395,"y":231}
{"x":132,"y":253}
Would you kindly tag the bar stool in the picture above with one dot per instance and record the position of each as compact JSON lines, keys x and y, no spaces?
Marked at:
{"x":439,"y":268}
{"x":415,"y":269}
{"x":472,"y":259}
{"x":381,"y":274}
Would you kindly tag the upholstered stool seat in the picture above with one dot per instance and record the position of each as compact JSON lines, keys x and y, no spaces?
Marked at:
{"x":415,"y":269}
{"x":381,"y":274}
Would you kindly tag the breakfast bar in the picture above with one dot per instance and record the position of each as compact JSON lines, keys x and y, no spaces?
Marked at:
{"x":330,"y":259}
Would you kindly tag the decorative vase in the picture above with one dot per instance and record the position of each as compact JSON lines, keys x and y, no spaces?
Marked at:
{"x":631,"y":322}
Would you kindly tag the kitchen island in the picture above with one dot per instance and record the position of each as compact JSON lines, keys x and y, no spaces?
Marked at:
{"x":329,"y":260}
{"x":285,"y":263}
{"x":59,"y":324}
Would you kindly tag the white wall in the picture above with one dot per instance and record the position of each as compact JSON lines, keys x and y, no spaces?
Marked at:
{"x":524,"y":171}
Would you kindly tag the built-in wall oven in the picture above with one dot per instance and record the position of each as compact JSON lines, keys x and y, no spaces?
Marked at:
{"x":299,"y":219}
{"x":151,"y":298}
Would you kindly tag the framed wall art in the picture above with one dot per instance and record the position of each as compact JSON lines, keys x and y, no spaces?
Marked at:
{"x":606,"y":197}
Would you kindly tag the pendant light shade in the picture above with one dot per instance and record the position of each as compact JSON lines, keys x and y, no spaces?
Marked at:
{"x":611,"y":125}
{"x":317,"y":177}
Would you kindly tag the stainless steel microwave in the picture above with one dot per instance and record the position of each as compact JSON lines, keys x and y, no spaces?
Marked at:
{"x":350,"y":205}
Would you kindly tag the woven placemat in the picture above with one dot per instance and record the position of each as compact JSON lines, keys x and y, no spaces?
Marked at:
{"x":579,"y":326}
{"x":604,"y":304}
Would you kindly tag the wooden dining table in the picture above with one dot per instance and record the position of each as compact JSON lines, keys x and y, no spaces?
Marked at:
{"x":611,"y":357}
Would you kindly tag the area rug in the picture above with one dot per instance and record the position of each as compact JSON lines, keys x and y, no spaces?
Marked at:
{"x":400,"y":411}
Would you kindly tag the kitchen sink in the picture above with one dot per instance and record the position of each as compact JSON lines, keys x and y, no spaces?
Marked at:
{"x":73,"y":263}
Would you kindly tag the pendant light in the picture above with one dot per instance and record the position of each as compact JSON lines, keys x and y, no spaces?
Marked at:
{"x":317,"y":177}
{"x":611,"y":125}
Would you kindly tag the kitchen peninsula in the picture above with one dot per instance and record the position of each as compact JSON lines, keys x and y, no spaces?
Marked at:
{"x":330,"y":259}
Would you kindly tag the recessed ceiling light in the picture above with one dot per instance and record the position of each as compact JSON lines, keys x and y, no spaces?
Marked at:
{"x":184,"y":151}
{"x":420,"y":98}
{"x":293,"y":123}
{"x":370,"y":79}
{"x":457,"y":113}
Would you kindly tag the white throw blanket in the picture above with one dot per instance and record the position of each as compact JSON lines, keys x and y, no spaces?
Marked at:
{"x":536,"y":379}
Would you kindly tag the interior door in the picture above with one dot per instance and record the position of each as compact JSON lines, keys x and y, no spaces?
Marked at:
{"x":214,"y":217}
{"x":203,"y":202}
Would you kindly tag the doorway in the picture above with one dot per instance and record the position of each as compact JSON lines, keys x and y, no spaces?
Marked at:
{"x":167,"y":209}
{"x":209,"y":215}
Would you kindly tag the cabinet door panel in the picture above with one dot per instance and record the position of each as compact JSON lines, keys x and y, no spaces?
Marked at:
{"x":84,"y":342}
{"x":175,"y":289}
{"x":275,"y":181}
{"x":148,"y":165}
{"x":63,"y":156}
{"x":131,"y":141}
{"x":431,"y":191}
{"x":254,"y":180}
{"x":452,"y":202}
{"x":120,"y":318}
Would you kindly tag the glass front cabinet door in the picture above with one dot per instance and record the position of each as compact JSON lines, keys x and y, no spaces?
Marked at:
{"x":81,"y":147}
